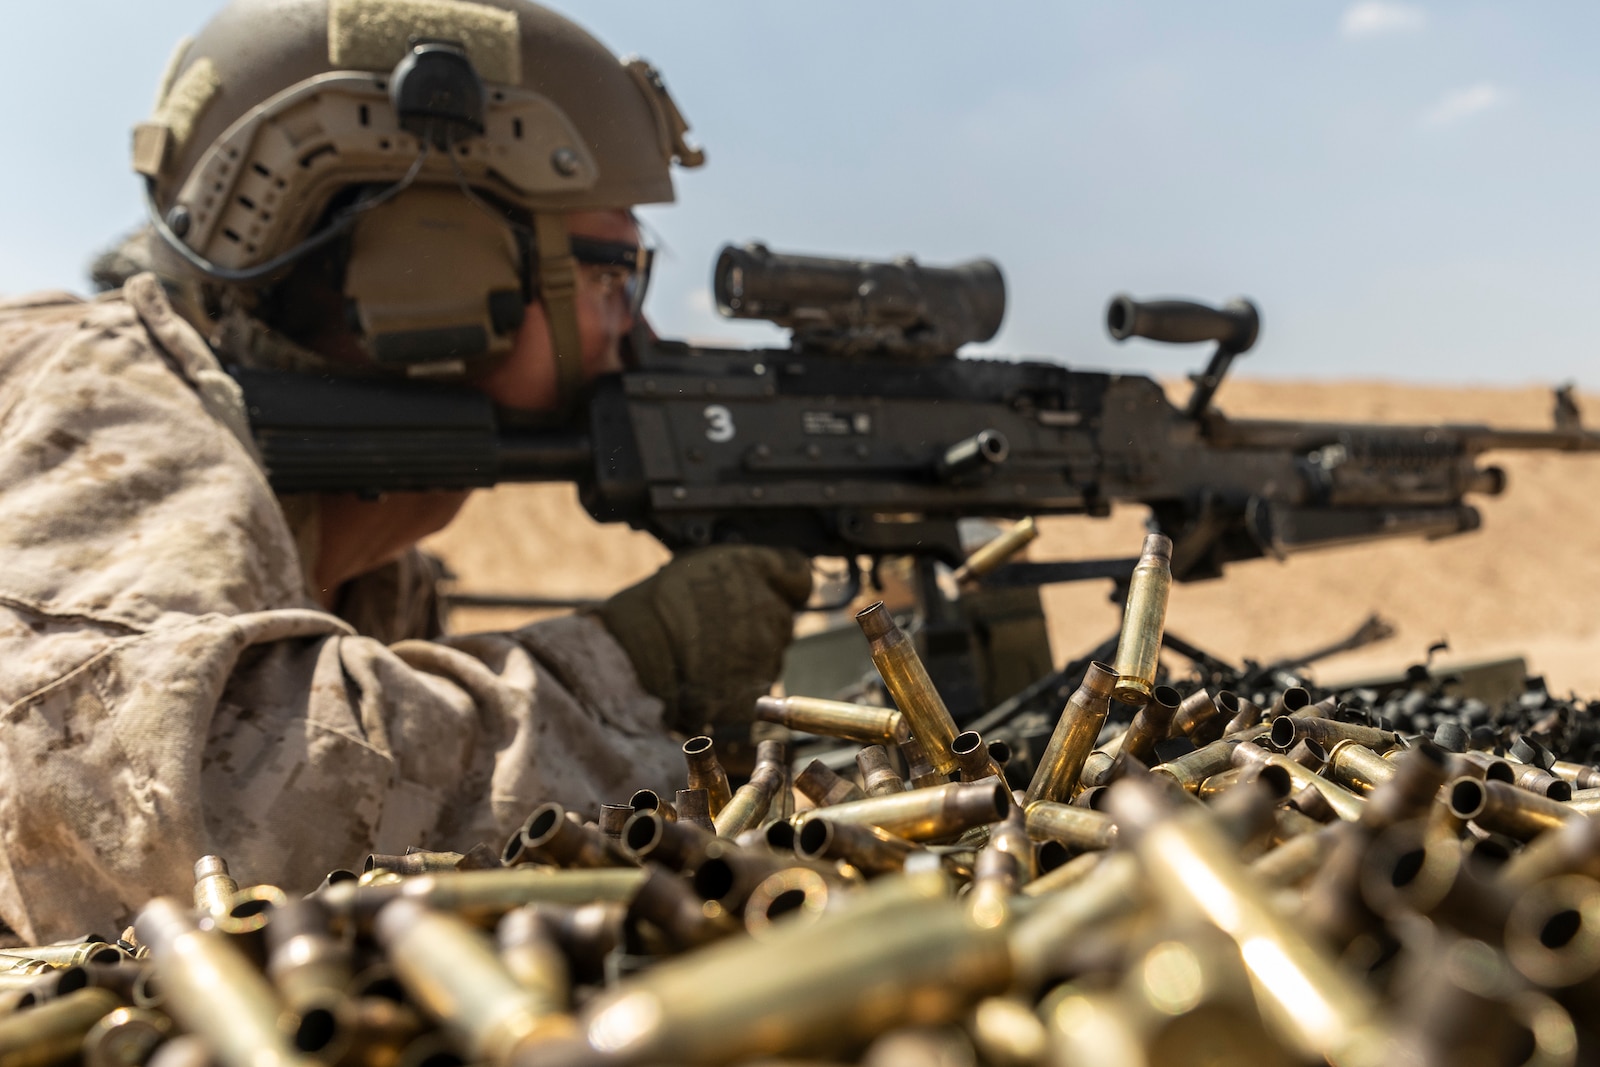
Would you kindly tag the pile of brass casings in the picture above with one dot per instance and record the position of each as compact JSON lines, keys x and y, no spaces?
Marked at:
{"x":1225,"y":880}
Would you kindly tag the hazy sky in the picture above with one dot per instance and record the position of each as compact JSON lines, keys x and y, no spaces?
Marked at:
{"x":1407,"y":190}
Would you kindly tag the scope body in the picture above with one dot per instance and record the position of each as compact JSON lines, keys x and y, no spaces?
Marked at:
{"x":854,"y":306}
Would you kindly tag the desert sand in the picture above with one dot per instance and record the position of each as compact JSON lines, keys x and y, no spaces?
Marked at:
{"x":1527,"y":583}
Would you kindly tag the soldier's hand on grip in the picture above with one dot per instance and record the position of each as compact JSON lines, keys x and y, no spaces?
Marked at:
{"x":707,"y":632}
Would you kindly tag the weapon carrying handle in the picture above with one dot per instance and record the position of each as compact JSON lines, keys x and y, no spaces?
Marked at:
{"x":1233,"y":326}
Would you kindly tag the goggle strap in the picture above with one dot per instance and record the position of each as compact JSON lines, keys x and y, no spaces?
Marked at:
{"x":558,"y":291}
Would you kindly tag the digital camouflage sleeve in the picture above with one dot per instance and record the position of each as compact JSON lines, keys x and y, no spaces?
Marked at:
{"x":169,"y":688}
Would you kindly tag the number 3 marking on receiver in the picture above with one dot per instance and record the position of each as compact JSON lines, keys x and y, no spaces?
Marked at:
{"x":719,"y":424}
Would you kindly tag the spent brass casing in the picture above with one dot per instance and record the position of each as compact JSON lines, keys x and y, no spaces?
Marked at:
{"x":1112,"y":887}
{"x":794,"y":895}
{"x":53,"y":982}
{"x":613,"y":817}
{"x":1292,"y":700}
{"x":1096,"y":773}
{"x":1573,"y":848}
{"x":751,"y":801}
{"x":729,"y":874}
{"x":919,"y":1046}
{"x":1412,"y":791}
{"x":213,"y":886}
{"x":452,"y":972}
{"x":484,"y":896}
{"x":1505,"y":809}
{"x":53,"y":1033}
{"x":668,"y":903}
{"x":1357,"y":768}
{"x":1306,"y":998}
{"x":1143,"y":621}
{"x":419,"y":862}
{"x":650,"y":800}
{"x":1552,"y":934}
{"x":1056,"y":777}
{"x":1192,"y":768}
{"x":1007,"y":1033}
{"x":694,"y":806}
{"x":378,"y":1029}
{"x":586,"y":933}
{"x":67,"y":955}
{"x":125,"y":1037}
{"x":1215,"y":1020}
{"x":1309,"y":754}
{"x":1581,"y":775}
{"x":129,"y":980}
{"x":1003,"y":866}
{"x":184,"y":1050}
{"x":705,"y":772}
{"x":779,"y":836}
{"x":1538,"y":780}
{"x":306,"y":963}
{"x":869,"y":849}
{"x":997,"y":551}
{"x":212,"y":989}
{"x":676,"y":844}
{"x":527,"y":945}
{"x":1290,"y":730}
{"x":902,"y":951}
{"x":823,"y":787}
{"x":1069,"y":873}
{"x":23,"y":965}
{"x":878,"y":776}
{"x":1291,"y":824}
{"x":1410,"y":870}
{"x":1093,"y":798}
{"x":919,"y":766}
{"x":973,"y":759}
{"x":1461,"y":767}
{"x":1150,"y":725}
{"x":1494,"y":768}
{"x":1345,"y":804}
{"x":1243,"y":714}
{"x":1093,"y":1029}
{"x":549,"y":836}
{"x":1296,"y":859}
{"x":909,"y":685}
{"x":1198,"y":718}
{"x":1079,"y":828}
{"x":924,"y":814}
{"x":251,"y":911}
{"x":1218,"y":784}
{"x":835,"y":718}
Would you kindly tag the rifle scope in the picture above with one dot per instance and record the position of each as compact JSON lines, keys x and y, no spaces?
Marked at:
{"x":860,"y":305}
{"x":1233,"y":326}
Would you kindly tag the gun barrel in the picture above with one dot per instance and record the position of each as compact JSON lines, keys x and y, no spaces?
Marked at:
{"x":1234,"y":326}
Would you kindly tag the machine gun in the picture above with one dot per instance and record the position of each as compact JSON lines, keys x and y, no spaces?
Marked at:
{"x":868,"y":437}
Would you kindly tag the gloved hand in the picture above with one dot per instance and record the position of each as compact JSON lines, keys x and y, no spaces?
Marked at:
{"x":707,"y":632}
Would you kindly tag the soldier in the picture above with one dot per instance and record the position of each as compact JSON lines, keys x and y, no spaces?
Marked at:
{"x":418,"y":188}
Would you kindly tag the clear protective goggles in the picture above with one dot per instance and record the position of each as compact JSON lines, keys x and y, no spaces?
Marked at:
{"x":619,"y":266}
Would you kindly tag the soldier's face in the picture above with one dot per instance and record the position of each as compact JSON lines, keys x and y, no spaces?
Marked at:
{"x":526,"y":379}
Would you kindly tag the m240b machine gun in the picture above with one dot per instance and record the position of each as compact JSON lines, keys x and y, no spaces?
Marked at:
{"x":868,"y":437}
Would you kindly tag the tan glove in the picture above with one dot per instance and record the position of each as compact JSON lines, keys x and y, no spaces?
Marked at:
{"x":707,"y":632}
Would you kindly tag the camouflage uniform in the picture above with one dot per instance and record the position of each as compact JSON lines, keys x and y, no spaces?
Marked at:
{"x":171,"y":690}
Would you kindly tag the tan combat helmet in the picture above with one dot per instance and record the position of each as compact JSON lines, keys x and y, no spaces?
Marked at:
{"x":469,"y":128}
